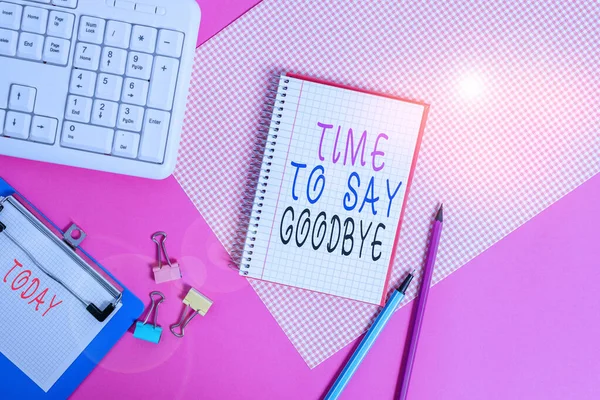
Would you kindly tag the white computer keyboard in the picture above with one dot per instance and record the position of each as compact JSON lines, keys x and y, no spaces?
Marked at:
{"x":99,"y":84}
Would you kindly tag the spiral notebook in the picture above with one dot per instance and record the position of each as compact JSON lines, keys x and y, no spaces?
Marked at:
{"x":333,"y":183}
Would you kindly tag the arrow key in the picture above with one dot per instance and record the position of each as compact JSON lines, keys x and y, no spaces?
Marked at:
{"x":17,"y":125}
{"x":43,"y":129}
{"x":22,"y":98}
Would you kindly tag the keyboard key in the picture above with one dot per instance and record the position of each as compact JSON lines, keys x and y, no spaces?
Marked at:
{"x":56,"y":51}
{"x":143,"y":38}
{"x":105,"y":113}
{"x":113,"y":60}
{"x":60,"y":24}
{"x":126,"y":144}
{"x":2,"y":116}
{"x":30,"y":46}
{"x":170,"y":43}
{"x":91,"y":30}
{"x":8,"y":42}
{"x":117,"y":34}
{"x":83,"y":83}
{"x":139,"y":65}
{"x":10,"y":15}
{"x":35,"y":20}
{"x":163,"y":82}
{"x":87,"y":137}
{"x":130,"y":118}
{"x":79,"y":109}
{"x":154,"y":138}
{"x":43,"y":129}
{"x":65,"y":3}
{"x":109,"y":87}
{"x":87,"y":56}
{"x":135,"y":92}
{"x":22,"y":98}
{"x":17,"y":125}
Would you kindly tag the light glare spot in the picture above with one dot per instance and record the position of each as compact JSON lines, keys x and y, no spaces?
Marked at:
{"x":471,"y":86}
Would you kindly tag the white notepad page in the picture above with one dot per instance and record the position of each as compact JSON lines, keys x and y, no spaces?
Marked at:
{"x":306,"y":144}
{"x":43,"y":346}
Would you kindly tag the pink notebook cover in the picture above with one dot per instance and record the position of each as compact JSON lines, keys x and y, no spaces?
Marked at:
{"x":217,"y":14}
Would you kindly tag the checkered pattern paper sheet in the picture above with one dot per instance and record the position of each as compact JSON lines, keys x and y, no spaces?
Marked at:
{"x":514,"y":90}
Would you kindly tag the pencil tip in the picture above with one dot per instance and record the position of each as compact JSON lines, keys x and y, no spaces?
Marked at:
{"x":413,"y":271}
{"x":440,"y":214}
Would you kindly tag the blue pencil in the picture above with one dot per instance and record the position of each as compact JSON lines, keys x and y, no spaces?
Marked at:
{"x":367,"y":342}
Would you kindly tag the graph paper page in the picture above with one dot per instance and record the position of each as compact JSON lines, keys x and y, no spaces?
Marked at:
{"x":43,"y":343}
{"x":335,"y":189}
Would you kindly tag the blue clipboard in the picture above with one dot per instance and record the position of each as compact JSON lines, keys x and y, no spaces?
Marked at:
{"x":22,"y":387}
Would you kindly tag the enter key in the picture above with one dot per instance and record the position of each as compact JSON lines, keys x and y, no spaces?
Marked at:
{"x":154,"y":137}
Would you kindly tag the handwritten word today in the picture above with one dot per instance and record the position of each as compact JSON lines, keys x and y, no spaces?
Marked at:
{"x":20,"y":281}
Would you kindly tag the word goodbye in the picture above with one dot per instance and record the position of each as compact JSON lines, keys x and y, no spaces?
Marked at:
{"x":21,"y":280}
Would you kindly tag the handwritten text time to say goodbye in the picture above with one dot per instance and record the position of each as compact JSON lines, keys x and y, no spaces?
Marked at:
{"x":335,"y":233}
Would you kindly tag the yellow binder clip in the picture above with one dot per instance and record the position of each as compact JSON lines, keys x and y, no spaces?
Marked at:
{"x":199,"y":303}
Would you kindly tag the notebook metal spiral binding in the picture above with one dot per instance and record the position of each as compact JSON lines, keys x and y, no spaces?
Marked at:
{"x":261,"y":161}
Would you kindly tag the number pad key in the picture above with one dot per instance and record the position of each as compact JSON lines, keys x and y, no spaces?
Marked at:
{"x":113,"y":60}
{"x":154,"y":138}
{"x":109,"y":87}
{"x":135,"y":92}
{"x":130,"y":118}
{"x":170,"y":43}
{"x":126,"y":144}
{"x":83,"y":83}
{"x":87,"y":56}
{"x":91,"y":30}
{"x":79,"y":109}
{"x":117,"y":34}
{"x":139,"y":65}
{"x":163,"y":83}
{"x":143,"y":38}
{"x":87,"y":137}
{"x":105,"y":113}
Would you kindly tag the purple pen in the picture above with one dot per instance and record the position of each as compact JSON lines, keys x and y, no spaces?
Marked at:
{"x":436,"y":233}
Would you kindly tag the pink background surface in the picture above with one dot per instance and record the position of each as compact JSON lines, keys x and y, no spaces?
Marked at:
{"x":217,"y":14}
{"x":519,"y":321}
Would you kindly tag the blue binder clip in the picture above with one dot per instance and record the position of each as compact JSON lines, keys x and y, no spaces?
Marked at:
{"x":144,"y":331}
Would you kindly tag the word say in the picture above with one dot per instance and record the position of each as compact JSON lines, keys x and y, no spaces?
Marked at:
{"x":21,"y":280}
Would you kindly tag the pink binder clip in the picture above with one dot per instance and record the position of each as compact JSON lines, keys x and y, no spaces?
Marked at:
{"x":164,"y":273}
